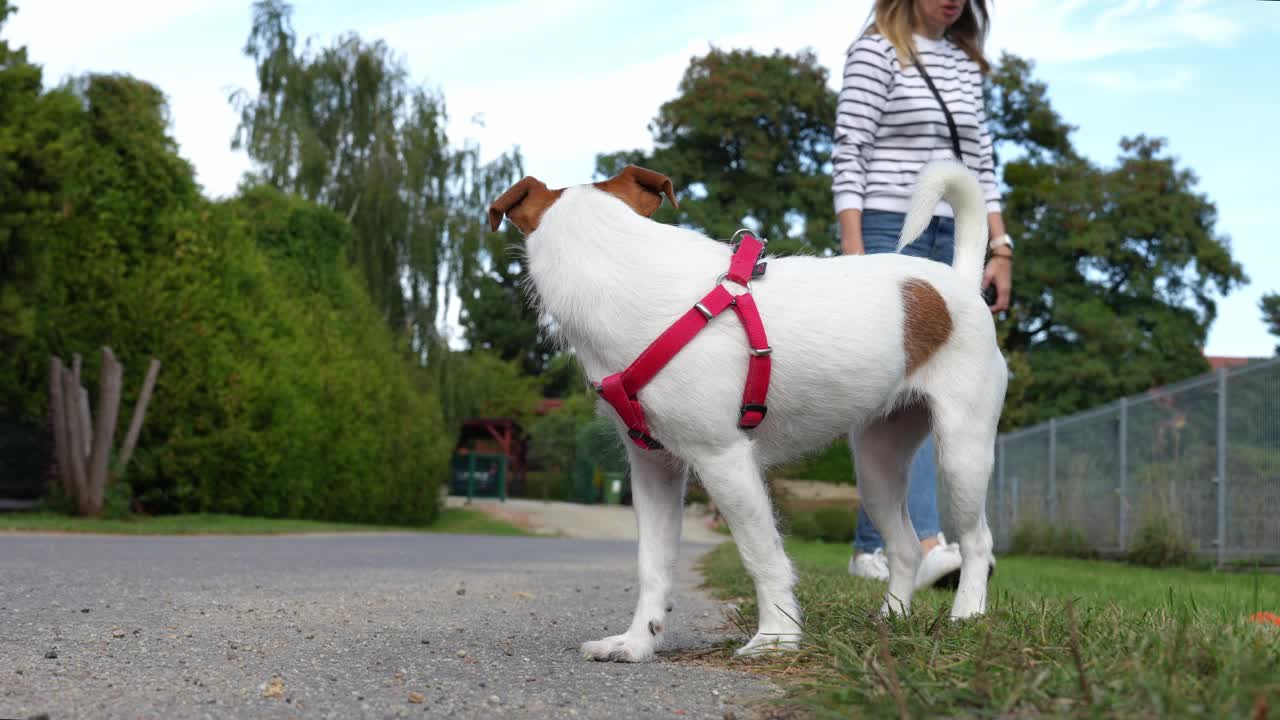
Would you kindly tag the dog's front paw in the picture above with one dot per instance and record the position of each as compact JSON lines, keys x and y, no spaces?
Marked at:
{"x":764,"y":643}
{"x":620,"y":648}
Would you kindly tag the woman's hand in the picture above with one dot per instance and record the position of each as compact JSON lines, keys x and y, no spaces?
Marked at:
{"x":851,"y":232}
{"x":999,"y":272}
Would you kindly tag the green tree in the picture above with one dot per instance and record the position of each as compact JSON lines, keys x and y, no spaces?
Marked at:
{"x":281,"y":393}
{"x":1117,"y":267}
{"x":1270,"y":305}
{"x":343,"y":126}
{"x":497,"y":315}
{"x":747,"y":142}
{"x":40,"y":138}
{"x":479,"y":383}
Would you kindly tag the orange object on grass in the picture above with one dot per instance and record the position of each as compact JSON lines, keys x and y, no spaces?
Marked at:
{"x":1263,"y":616}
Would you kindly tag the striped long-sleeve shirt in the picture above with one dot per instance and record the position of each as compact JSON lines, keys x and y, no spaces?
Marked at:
{"x":889,"y":125}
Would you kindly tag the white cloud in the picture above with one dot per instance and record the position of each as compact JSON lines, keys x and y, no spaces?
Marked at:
{"x":1131,"y":82}
{"x":465,"y":34}
{"x":1051,"y":31}
{"x":67,"y":28}
{"x":562,"y":124}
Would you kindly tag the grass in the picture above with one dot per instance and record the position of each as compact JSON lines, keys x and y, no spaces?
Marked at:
{"x":452,"y":520}
{"x":1061,"y":638}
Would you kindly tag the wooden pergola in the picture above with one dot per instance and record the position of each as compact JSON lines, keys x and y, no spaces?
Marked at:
{"x":497,"y":436}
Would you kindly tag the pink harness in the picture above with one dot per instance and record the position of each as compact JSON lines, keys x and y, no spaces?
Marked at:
{"x":620,"y":389}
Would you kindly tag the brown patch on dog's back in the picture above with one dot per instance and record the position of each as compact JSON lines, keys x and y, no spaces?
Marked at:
{"x":926,"y":322}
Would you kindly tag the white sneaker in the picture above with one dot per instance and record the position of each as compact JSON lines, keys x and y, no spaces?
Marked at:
{"x":938,"y":563}
{"x":872,"y":565}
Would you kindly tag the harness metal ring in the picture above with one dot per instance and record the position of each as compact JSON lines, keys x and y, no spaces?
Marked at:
{"x":725,"y":276}
{"x":734,"y":240}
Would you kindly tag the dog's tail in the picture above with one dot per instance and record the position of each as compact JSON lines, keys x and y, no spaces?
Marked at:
{"x":953,"y":182}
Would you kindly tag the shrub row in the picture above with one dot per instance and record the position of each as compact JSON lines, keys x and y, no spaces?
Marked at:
{"x":282,"y":393}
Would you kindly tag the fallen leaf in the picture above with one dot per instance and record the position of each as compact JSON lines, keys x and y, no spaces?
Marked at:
{"x":417,"y":697}
{"x":274,"y":688}
{"x":522,"y":594}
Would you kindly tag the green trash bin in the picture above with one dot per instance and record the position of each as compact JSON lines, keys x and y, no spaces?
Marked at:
{"x":614,"y":485}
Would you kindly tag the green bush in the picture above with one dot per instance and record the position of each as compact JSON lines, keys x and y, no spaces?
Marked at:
{"x":1031,"y":538}
{"x":282,"y":392}
{"x":803,"y":525}
{"x":836,"y":524}
{"x":1160,"y":543}
{"x":832,"y":465}
{"x":552,"y":437}
{"x":828,"y":524}
{"x":547,"y":485}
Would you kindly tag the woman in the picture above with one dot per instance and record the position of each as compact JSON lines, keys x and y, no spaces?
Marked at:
{"x":889,"y":124}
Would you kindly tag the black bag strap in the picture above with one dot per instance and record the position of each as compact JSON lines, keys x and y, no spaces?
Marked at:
{"x":951,"y":122}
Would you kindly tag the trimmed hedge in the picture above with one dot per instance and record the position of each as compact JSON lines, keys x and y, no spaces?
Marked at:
{"x":282,"y":391}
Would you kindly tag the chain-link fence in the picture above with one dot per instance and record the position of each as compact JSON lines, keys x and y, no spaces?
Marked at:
{"x":1201,"y":456}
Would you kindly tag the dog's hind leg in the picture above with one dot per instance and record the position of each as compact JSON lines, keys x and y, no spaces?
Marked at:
{"x":966,"y":434}
{"x":734,"y":481}
{"x":657,"y":494}
{"x":882,"y":454}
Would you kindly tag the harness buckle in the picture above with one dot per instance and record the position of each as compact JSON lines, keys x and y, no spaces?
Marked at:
{"x":751,"y":407}
{"x":644,"y":439}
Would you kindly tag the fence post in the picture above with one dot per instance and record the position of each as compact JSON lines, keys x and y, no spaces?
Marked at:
{"x":471,"y":475}
{"x":1124,"y":474}
{"x":1013,"y":508}
{"x":1222,"y":464}
{"x":1053,"y":471}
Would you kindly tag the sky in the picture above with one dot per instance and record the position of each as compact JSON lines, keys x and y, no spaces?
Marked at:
{"x":566,"y":79}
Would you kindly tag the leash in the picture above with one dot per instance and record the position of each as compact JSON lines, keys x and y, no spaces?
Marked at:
{"x":620,"y":389}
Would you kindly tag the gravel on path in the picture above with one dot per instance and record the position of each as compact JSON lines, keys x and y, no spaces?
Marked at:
{"x":341,"y":626}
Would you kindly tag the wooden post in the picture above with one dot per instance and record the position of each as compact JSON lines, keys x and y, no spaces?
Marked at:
{"x":71,"y":415}
{"x":58,"y":412}
{"x":85,"y":416}
{"x":139,"y":413}
{"x":109,"y":379}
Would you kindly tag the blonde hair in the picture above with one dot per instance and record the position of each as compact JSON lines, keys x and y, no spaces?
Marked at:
{"x":895,"y":20}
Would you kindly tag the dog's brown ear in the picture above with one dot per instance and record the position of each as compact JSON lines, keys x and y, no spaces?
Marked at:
{"x":523,"y":204}
{"x":640,"y":188}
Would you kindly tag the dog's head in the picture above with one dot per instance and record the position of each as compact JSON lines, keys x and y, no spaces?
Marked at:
{"x":526,"y":202}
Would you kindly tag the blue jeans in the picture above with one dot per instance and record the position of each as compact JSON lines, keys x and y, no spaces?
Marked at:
{"x":880,"y":232}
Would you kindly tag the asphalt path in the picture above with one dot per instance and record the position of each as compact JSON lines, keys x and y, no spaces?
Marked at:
{"x":342,"y":626}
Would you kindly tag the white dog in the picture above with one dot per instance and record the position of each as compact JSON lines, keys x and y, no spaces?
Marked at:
{"x":880,"y":348}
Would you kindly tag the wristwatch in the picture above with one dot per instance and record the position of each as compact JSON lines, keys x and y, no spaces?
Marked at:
{"x":1002,"y":241}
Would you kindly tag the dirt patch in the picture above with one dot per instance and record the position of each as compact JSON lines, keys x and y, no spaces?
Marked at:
{"x":809,"y":495}
{"x":524,"y":521}
{"x":790,"y":667}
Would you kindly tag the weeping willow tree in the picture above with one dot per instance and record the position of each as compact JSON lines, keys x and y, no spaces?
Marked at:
{"x":345,"y":127}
